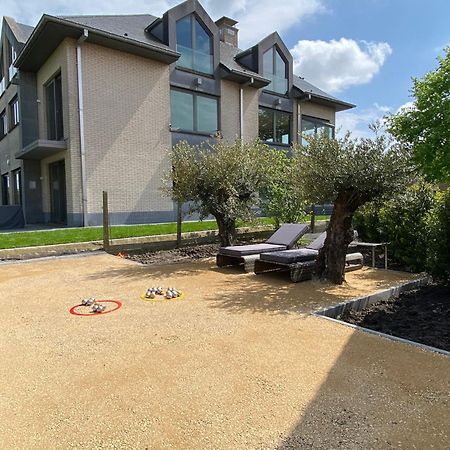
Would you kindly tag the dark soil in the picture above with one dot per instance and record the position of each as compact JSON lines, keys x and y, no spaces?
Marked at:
{"x":422,"y":315}
{"x":176,"y":255}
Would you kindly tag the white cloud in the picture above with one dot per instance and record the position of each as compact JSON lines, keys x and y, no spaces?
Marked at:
{"x":30,"y":11}
{"x":257,"y":18}
{"x":357,"y":120}
{"x":405,"y":106}
{"x":337,"y":64}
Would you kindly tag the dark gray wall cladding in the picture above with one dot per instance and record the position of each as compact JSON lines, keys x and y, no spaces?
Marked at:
{"x":188,"y":80}
{"x":178,"y":12}
{"x":125,"y":218}
{"x":274,"y":101}
{"x":32,"y":188}
{"x":275,"y":40}
{"x":28,"y":108}
{"x":191,"y":138}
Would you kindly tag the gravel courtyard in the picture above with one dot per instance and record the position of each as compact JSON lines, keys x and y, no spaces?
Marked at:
{"x":238,"y":363}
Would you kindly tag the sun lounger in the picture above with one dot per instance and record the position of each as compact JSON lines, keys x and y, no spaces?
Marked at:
{"x":284,"y":238}
{"x":300,"y":262}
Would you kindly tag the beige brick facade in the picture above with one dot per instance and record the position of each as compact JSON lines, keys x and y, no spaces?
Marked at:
{"x":230,"y":111}
{"x":127,"y":137}
{"x":316,"y":110}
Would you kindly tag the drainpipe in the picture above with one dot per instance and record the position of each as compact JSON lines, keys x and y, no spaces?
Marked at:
{"x":241,"y":107}
{"x":80,"y":41}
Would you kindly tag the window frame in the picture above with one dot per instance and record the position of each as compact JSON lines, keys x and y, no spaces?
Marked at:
{"x":6,"y":198}
{"x":52,"y":83}
{"x":14,"y":113}
{"x":194,"y":18}
{"x":274,"y":125}
{"x":3,"y":124}
{"x":276,"y":51}
{"x":195,"y":95}
{"x":16,"y":176}
{"x":316,"y":121}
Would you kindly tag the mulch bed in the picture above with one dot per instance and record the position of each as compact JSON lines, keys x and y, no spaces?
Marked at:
{"x":422,"y":315}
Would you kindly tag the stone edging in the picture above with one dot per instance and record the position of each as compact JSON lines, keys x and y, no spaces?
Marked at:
{"x":360,"y":303}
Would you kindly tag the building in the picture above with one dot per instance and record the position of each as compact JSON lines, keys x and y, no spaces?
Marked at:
{"x":93,"y":103}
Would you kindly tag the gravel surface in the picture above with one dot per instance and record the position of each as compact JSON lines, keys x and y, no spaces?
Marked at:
{"x":238,"y":363}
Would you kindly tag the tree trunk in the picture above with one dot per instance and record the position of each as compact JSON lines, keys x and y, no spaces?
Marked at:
{"x":227,"y":230}
{"x":331,"y":260}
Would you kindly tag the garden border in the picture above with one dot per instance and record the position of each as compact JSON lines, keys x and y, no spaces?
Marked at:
{"x":357,"y":304}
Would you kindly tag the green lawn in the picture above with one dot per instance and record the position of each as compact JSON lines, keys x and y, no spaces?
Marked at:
{"x":71,"y":235}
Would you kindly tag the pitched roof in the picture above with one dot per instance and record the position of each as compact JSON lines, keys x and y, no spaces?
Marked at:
{"x":129,"y":26}
{"x":227,"y":58}
{"x":307,"y":88}
{"x":21,"y":31}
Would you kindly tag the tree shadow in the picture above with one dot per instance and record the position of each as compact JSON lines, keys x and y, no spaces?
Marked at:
{"x":274,"y":293}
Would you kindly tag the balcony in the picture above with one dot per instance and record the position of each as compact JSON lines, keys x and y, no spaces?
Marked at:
{"x":277,"y":84}
{"x":11,"y":72}
{"x":41,"y":149}
{"x":195,"y":60}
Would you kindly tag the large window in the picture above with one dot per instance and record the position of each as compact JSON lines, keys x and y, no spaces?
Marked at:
{"x":274,"y":126}
{"x":195,"y":45}
{"x":311,"y":126}
{"x":5,"y":189}
{"x":17,"y":187}
{"x":14,"y":112}
{"x":12,"y":55}
{"x":193,"y":112}
{"x":275,"y":69}
{"x":53,"y":93}
{"x":3,"y":124}
{"x":2,"y":76}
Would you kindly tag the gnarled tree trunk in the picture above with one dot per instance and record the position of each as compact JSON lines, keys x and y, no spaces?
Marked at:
{"x":331,"y":260}
{"x":227,"y":230}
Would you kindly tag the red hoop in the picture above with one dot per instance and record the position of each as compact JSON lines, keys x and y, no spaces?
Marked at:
{"x":118,"y":305}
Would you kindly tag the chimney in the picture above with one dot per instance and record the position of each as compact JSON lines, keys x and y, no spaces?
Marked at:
{"x":227,"y":31}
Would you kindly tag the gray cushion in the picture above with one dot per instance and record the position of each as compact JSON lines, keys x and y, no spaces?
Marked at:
{"x":288,"y":234}
{"x":290,"y":256}
{"x":253,"y":249}
{"x":317,"y":243}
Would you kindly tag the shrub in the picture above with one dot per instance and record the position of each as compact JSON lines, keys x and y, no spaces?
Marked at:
{"x":281,"y":200}
{"x":438,"y":222}
{"x":403,"y":222}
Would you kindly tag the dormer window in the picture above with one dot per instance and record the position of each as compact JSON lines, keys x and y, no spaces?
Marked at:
{"x":195,"y":45}
{"x":11,"y":58}
{"x":275,"y":69}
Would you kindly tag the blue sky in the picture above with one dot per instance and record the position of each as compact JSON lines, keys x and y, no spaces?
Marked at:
{"x":363,"y":51}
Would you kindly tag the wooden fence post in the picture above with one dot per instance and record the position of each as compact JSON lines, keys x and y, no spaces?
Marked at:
{"x":106,"y":233}
{"x":313,"y":219}
{"x":179,"y":213}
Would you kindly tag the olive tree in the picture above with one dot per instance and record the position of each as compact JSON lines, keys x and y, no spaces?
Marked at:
{"x":282,"y":200}
{"x":348,"y":172}
{"x":220,"y":179}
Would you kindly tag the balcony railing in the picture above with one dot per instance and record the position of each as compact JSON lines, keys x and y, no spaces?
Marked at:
{"x":11,"y":72}
{"x":195,"y":60}
{"x":278,"y":84}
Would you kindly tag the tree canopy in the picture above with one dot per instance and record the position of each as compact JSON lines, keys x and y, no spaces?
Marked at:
{"x":426,"y":125}
{"x":221,"y":179}
{"x":348,"y":173}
